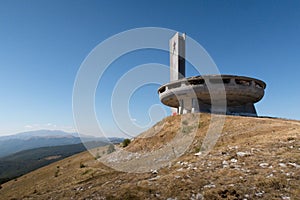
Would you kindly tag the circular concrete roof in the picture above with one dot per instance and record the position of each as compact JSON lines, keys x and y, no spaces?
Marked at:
{"x":239,"y":90}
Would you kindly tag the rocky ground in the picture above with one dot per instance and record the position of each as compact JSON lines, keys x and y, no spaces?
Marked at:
{"x":254,"y":158}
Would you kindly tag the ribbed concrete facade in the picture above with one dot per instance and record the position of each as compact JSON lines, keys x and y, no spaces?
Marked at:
{"x":193,"y":95}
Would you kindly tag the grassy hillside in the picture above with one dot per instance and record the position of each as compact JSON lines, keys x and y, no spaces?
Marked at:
{"x":20,"y":163}
{"x":254,"y":158}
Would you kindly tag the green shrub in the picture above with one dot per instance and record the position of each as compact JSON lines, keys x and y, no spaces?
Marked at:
{"x":200,"y":124}
{"x":186,"y":129}
{"x":56,"y":171}
{"x":82,"y":165}
{"x":185,"y":122}
{"x":126,"y":142}
{"x":197,"y":149}
{"x":97,"y":156}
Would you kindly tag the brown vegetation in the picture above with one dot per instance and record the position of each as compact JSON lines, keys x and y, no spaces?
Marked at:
{"x":255,"y":158}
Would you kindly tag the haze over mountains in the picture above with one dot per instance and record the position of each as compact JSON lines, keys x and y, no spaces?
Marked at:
{"x":43,"y":138}
{"x":27,"y":151}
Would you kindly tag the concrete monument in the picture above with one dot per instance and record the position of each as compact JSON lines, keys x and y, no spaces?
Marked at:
{"x":185,"y":95}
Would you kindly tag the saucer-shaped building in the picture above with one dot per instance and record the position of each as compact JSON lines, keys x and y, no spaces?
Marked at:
{"x":227,"y":94}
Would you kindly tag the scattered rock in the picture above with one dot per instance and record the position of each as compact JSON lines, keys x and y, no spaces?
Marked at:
{"x":198,"y":154}
{"x":197,"y":196}
{"x":263,"y":165}
{"x":210,"y":186}
{"x":79,"y":189}
{"x":233,"y":160}
{"x":259,"y":194}
{"x":184,"y":163}
{"x":270,"y":175}
{"x":294,"y":165}
{"x":118,"y":181}
{"x":225,"y":164}
{"x":232,"y":147}
{"x":242,"y":154}
{"x":282,"y":165}
{"x":155,"y":178}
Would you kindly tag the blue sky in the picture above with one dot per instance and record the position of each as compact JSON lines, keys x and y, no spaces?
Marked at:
{"x":43,"y":43}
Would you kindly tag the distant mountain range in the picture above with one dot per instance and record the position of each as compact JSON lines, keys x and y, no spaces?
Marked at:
{"x":17,"y":164}
{"x":42,"y":133}
{"x":44,"y":138}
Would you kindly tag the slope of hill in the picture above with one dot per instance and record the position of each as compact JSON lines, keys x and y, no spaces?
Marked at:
{"x":254,"y":158}
{"x":20,"y":163}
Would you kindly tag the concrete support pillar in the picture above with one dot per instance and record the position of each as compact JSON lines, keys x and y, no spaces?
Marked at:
{"x":181,"y":106}
{"x":195,"y":105}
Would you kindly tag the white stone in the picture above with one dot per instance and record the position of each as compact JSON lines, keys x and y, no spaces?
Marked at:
{"x":282,"y":165}
{"x":199,"y":196}
{"x":210,"y":186}
{"x":294,"y":165}
{"x":259,"y":194}
{"x":172,"y":198}
{"x":242,"y":154}
{"x":179,"y":170}
{"x":225,"y":162}
{"x":263,"y":165}
{"x":270,"y":175}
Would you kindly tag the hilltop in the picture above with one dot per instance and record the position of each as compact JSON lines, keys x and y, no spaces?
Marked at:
{"x":254,"y":158}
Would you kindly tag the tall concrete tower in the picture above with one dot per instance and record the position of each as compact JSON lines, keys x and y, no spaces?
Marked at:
{"x":177,"y":57}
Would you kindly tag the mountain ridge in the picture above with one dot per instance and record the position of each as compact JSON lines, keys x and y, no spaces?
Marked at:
{"x":43,"y":138}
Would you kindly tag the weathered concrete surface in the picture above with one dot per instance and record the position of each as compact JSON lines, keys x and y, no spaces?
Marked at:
{"x":177,"y":57}
{"x":193,"y":95}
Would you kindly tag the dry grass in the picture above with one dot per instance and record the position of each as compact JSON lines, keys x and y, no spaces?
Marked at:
{"x":222,"y":174}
